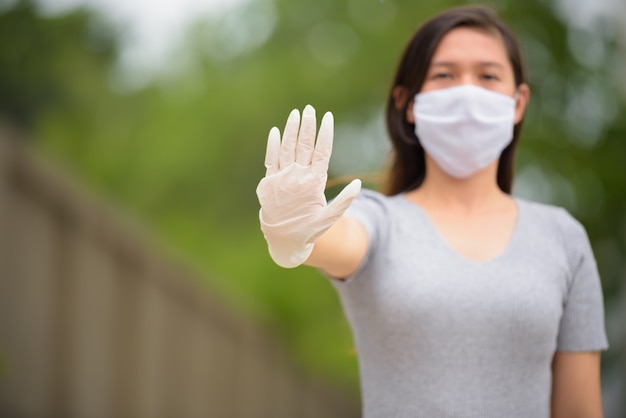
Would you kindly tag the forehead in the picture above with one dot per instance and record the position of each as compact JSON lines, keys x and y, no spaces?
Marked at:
{"x":471,"y":45}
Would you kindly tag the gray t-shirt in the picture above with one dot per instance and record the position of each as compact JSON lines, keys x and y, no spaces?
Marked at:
{"x":439,"y":335}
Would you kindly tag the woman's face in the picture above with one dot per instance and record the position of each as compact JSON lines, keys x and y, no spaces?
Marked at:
{"x":477,"y":57}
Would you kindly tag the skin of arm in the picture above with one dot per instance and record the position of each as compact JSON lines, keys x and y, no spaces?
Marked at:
{"x":576,"y":385}
{"x":341,"y":249}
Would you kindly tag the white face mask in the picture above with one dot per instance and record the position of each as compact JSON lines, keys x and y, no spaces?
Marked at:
{"x":464,"y":128}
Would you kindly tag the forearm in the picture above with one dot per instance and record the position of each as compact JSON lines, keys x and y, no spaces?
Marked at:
{"x":341,"y":249}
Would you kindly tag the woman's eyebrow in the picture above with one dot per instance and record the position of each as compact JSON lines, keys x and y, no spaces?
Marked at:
{"x":443,"y":64}
{"x":479,"y":64}
{"x":490,"y":64}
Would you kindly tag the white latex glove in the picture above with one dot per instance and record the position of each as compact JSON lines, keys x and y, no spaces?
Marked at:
{"x":294,"y":211}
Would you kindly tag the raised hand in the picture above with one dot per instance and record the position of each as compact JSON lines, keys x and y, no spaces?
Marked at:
{"x":294,"y":211}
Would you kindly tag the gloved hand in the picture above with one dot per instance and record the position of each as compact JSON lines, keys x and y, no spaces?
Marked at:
{"x":294,"y":211}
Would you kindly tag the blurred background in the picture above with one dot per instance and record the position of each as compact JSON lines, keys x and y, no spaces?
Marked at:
{"x":159,"y":111}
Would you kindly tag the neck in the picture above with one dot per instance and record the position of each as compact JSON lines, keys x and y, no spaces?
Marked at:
{"x":475,"y":192}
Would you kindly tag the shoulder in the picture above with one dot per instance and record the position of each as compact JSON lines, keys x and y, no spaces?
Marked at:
{"x":553,"y":217}
{"x":375,"y":211}
{"x":369,"y":207}
{"x":370,"y":202}
{"x":559,"y":225}
{"x":373,"y":204}
{"x":369,"y":195}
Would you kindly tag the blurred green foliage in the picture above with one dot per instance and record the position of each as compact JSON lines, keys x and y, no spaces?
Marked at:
{"x":48,"y":63}
{"x":185,"y":153}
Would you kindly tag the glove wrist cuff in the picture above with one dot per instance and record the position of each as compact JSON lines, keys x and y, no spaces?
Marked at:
{"x":286,"y":247}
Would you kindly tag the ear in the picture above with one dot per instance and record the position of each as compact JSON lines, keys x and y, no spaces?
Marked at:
{"x":400,"y":96}
{"x":523,"y":97}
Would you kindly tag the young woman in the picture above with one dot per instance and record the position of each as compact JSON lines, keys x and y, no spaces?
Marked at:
{"x":464,"y":301}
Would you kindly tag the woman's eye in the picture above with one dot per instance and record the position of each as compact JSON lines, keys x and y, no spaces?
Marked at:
{"x":490,"y":77}
{"x":441,"y":75}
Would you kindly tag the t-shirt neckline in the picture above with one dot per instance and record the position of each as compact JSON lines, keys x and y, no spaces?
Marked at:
{"x":442,"y":242}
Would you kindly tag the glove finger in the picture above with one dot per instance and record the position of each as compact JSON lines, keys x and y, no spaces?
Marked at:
{"x":306,"y":137}
{"x":343,"y":200}
{"x":324,"y":145}
{"x":271,"y":154}
{"x":287,"y":153}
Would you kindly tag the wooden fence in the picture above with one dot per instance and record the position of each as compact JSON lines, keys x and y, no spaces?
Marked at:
{"x":93,"y":323}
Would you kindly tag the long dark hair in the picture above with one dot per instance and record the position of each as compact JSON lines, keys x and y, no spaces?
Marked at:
{"x":408,"y":166}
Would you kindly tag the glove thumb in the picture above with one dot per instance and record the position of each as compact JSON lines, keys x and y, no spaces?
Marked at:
{"x":343,"y":200}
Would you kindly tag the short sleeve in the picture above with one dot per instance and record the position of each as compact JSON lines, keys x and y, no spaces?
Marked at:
{"x":582,"y":325}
